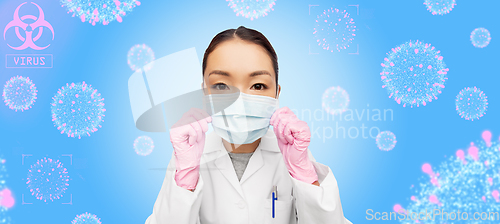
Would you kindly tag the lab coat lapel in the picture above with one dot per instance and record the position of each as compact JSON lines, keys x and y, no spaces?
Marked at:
{"x":255,"y":163}
{"x":225,"y":166}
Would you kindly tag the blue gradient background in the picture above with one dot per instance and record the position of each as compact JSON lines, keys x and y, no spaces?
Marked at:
{"x":107,"y":177}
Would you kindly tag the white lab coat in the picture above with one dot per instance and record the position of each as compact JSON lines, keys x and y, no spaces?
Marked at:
{"x":219,"y":198}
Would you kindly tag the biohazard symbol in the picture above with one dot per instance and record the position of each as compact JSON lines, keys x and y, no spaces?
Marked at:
{"x":28,"y":39}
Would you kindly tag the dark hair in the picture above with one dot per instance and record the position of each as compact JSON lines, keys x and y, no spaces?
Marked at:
{"x":247,"y":34}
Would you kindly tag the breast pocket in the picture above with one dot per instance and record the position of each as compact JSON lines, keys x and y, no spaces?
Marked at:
{"x":283,"y":209}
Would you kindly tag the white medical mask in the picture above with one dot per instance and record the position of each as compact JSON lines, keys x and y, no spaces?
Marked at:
{"x":241,"y":118}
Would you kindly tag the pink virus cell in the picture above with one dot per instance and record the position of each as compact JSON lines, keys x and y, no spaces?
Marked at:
{"x":6,"y":199}
{"x":99,"y":11}
{"x":335,"y":100}
{"x":251,"y":9}
{"x":471,"y":103}
{"x":19,"y":93}
{"x":469,"y":182}
{"x":143,"y":145}
{"x":334,"y":30}
{"x":439,"y":7}
{"x":140,"y":56}
{"x":47,"y":179}
{"x":77,"y":110}
{"x":399,"y":209}
{"x":86,"y":218}
{"x":386,"y":140}
{"x":414,"y":73}
{"x":480,"y":37}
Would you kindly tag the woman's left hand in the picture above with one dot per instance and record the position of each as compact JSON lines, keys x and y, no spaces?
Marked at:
{"x":293,"y":139}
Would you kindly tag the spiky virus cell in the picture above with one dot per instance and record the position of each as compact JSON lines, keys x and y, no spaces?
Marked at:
{"x":439,"y":7}
{"x":19,"y":93}
{"x":466,"y":185}
{"x":471,"y":103}
{"x":251,"y":9}
{"x":334,"y":30}
{"x":140,"y":56}
{"x":386,"y":140}
{"x":414,"y":73}
{"x":480,"y":37}
{"x":99,"y":11}
{"x":77,"y":110}
{"x":143,"y":145}
{"x":47,"y":179}
{"x":335,"y":100}
{"x":86,"y":218}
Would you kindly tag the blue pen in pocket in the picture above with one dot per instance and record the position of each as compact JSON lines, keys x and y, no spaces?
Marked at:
{"x":275,"y":196}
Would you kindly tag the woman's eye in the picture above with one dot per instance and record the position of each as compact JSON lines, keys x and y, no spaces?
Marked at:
{"x":220,"y":86}
{"x":259,"y":86}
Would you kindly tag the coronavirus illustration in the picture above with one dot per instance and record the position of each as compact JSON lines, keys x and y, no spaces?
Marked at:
{"x":464,"y":185}
{"x":47,"y":179}
{"x":439,"y":7}
{"x":335,"y":100}
{"x":480,"y":37}
{"x":386,"y":140}
{"x":251,"y":9}
{"x":143,"y":145}
{"x":86,"y":218}
{"x":19,"y":93}
{"x":99,"y":11}
{"x":471,"y":103}
{"x":140,"y":56}
{"x":77,"y":110}
{"x":334,"y":30}
{"x":414,"y":73}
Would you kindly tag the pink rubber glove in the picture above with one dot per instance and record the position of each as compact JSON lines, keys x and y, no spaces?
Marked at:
{"x":293,"y":139}
{"x":188,"y":139}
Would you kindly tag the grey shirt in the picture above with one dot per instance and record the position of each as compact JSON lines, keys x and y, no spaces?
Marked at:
{"x":240,"y":162}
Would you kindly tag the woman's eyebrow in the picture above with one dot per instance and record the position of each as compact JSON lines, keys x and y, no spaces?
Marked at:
{"x":261,"y":72}
{"x":218,"y":72}
{"x":253,"y":74}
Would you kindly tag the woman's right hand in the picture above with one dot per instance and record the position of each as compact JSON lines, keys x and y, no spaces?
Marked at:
{"x":188,"y":140}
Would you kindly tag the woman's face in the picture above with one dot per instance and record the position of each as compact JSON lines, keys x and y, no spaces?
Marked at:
{"x":240,"y":64}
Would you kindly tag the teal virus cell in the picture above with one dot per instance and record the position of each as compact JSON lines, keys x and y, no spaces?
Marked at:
{"x":19,"y":93}
{"x":86,"y":218}
{"x":335,"y":100}
{"x":414,"y":73}
{"x":439,"y":7}
{"x":467,"y":184}
{"x":334,"y":30}
{"x":47,"y":179}
{"x":140,"y":56}
{"x":99,"y":11}
{"x":77,"y":110}
{"x":143,"y":145}
{"x":471,"y":103}
{"x":480,"y":37}
{"x":251,"y":9}
{"x":386,"y":140}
